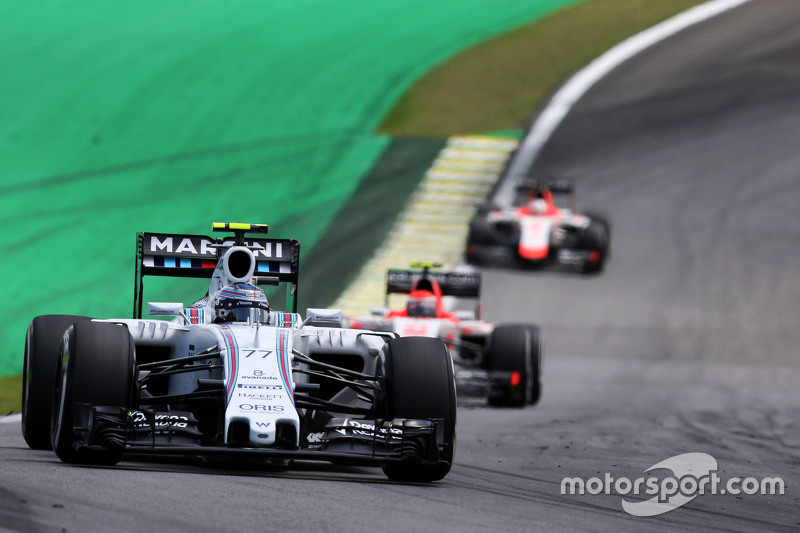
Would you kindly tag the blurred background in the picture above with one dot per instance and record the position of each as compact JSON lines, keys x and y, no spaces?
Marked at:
{"x":145,"y":116}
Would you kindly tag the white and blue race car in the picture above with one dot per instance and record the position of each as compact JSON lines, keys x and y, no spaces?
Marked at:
{"x":230,"y":376}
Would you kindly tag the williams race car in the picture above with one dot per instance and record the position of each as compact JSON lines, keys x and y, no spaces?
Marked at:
{"x":501,"y":362}
{"x":537,"y":233}
{"x":230,"y":376}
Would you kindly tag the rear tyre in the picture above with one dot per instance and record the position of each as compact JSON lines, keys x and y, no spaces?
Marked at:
{"x":42,"y":344}
{"x":492,"y":243}
{"x":515,"y":350}
{"x":601,"y":220}
{"x":597,"y":238}
{"x":95,"y":368}
{"x":478,"y":235}
{"x":420,"y":384}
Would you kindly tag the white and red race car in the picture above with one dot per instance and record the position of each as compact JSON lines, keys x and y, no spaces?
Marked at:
{"x":535,"y":232}
{"x":501,"y":361}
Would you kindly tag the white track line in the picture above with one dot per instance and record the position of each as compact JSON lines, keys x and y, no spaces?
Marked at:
{"x":17,"y":418}
{"x":583,"y":80}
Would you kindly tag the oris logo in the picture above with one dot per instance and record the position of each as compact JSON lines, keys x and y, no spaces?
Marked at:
{"x":261,"y":408}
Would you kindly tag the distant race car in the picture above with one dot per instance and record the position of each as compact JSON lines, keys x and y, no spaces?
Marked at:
{"x":230,"y":376}
{"x":534,"y":232}
{"x":501,"y":361}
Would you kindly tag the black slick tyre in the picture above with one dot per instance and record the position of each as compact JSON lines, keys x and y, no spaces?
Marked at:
{"x":95,"y":368}
{"x":420,"y":384}
{"x":42,"y":343}
{"x":515,"y":350}
{"x":597,"y":238}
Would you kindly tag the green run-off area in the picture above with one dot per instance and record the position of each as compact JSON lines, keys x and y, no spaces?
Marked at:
{"x":153,"y":116}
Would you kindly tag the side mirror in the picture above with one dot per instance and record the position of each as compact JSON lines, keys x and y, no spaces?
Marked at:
{"x":328,"y":318}
{"x":164,"y":308}
{"x":465,"y":315}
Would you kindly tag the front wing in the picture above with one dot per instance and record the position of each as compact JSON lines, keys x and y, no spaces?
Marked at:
{"x":498,"y":254}
{"x":354,"y":441}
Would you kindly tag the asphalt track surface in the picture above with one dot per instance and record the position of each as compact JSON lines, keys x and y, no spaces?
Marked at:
{"x":687,"y":343}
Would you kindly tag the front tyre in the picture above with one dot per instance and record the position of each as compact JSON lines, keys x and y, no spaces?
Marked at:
{"x":95,"y":368}
{"x":420,"y":384}
{"x":42,"y":344}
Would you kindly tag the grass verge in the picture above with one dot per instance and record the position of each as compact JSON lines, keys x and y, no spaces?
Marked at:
{"x":10,"y":394}
{"x":498,"y":84}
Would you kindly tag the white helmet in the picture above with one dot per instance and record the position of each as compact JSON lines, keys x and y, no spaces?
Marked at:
{"x":537,"y":206}
{"x":235,"y":302}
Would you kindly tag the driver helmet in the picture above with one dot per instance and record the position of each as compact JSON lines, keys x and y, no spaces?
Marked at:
{"x":235,"y":302}
{"x":537,"y":206}
{"x":421,"y":303}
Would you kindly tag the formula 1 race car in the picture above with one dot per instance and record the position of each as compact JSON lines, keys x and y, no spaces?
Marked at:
{"x":230,"y":376}
{"x":502,"y":362}
{"x":536,"y":233}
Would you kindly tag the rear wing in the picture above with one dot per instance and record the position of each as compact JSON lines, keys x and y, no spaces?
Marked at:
{"x":556,"y":185}
{"x":195,"y":256}
{"x":564,"y":187}
{"x":459,"y":284}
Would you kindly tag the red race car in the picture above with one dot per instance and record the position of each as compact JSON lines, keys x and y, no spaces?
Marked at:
{"x":535,"y":232}
{"x":501,"y":362}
